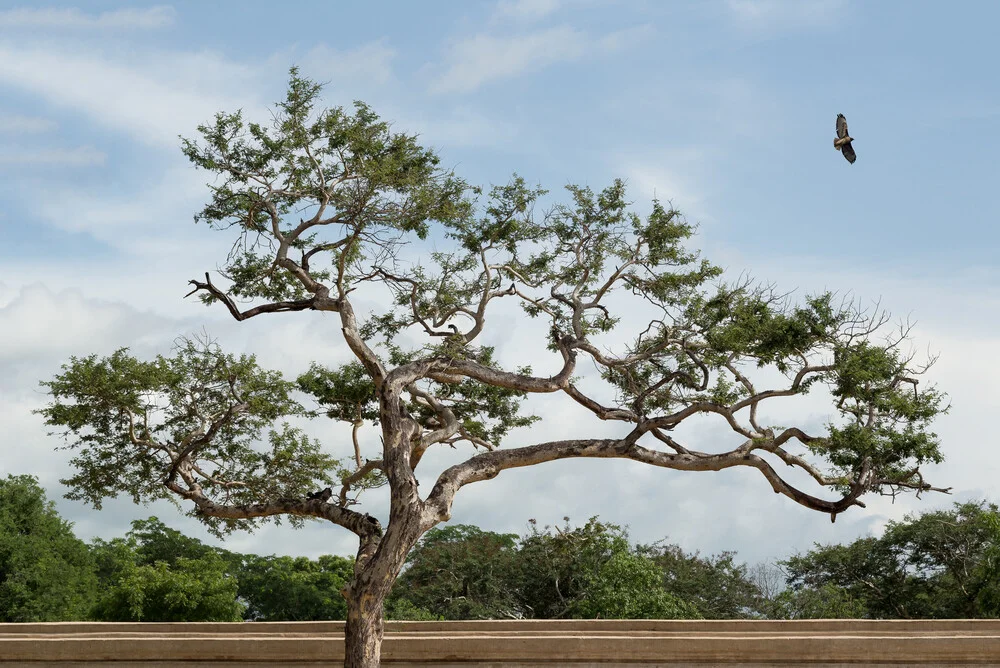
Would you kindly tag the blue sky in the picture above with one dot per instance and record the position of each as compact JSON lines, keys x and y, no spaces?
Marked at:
{"x":725,"y":108}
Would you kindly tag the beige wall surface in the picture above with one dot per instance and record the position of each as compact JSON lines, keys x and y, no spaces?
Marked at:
{"x":577,"y":643}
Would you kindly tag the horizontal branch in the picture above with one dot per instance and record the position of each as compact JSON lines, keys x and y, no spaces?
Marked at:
{"x":361,"y":524}
{"x":488,"y":465}
{"x":275,"y":307}
{"x":450,"y":370}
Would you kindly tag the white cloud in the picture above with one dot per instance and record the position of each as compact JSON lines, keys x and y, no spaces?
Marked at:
{"x":153,"y":97}
{"x":780,"y":14}
{"x":671,"y":178}
{"x":463,"y":126}
{"x":624,"y":38}
{"x":40,"y":323}
{"x":370,"y":63}
{"x":16,"y":124}
{"x":82,"y":156}
{"x":128,"y":219}
{"x":525,"y":10}
{"x":153,"y":17}
{"x":481,"y":58}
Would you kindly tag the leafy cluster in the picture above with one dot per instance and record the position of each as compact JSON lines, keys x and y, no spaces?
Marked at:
{"x":938,"y":565}
{"x":46,"y":573}
{"x":134,"y":423}
{"x":942,"y":564}
{"x":347,"y":168}
{"x":462,"y":572}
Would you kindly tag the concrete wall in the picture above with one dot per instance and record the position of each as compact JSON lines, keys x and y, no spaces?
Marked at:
{"x":581,"y":644}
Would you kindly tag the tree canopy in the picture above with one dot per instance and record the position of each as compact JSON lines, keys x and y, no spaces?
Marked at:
{"x":938,"y":565}
{"x":326,"y":206}
{"x":157,"y":574}
{"x":46,"y":573}
{"x":941,"y":564}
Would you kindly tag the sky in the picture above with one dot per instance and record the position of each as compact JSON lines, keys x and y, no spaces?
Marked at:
{"x":725,"y":109}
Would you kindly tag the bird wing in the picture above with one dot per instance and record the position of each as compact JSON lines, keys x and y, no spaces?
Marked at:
{"x":849,"y":153}
{"x":841,"y":126}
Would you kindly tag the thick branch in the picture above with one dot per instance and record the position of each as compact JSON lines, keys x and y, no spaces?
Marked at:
{"x":367,"y":468}
{"x":321,"y":301}
{"x":359,"y":523}
{"x":489,"y":464}
{"x":275,"y":307}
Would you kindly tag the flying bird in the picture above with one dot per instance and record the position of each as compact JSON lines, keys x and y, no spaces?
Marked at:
{"x":843,"y":141}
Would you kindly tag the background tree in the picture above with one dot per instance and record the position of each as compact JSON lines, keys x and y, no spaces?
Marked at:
{"x":937,"y":565}
{"x":717,"y":586}
{"x":323,"y":204}
{"x":988,"y":572}
{"x":294,"y":588}
{"x":591,"y":572}
{"x":154,"y":541}
{"x":826,"y":601}
{"x":461,"y":572}
{"x":46,"y":573}
{"x":156,"y":574}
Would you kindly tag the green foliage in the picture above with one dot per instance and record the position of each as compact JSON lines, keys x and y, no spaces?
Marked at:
{"x":828,"y":601}
{"x":718,"y":587}
{"x":294,"y":589}
{"x":487,"y":412}
{"x":260,"y":588}
{"x":346,"y":393}
{"x":157,"y":574}
{"x":154,"y":541}
{"x":127,"y":420}
{"x":46,"y":573}
{"x":937,"y":565}
{"x":484,"y":411}
{"x":190,"y":590}
{"x":755,"y":324}
{"x":462,"y":572}
{"x":988,"y":572}
{"x":459,"y":572}
{"x":866,"y":384}
{"x":385,"y":183}
{"x":630,"y":586}
{"x":591,"y":571}
{"x":402,"y":609}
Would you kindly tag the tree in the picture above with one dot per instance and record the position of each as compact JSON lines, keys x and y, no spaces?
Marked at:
{"x":461,"y":572}
{"x":154,"y":541}
{"x":826,"y":601}
{"x":591,"y":572}
{"x":630,"y":586}
{"x":327,"y":205}
{"x":156,"y":574}
{"x":294,"y":589}
{"x":937,"y":565}
{"x":46,"y":573}
{"x":192,"y":590}
{"x":717,"y":586}
{"x":988,"y":572}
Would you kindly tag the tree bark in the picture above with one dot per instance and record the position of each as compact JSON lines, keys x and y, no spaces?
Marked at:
{"x":378,"y":565}
{"x":364,"y":629}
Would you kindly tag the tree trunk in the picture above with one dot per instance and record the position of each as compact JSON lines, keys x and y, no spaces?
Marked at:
{"x":363,"y":632}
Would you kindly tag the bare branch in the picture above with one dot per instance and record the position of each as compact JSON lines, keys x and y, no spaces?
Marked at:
{"x":368,"y":467}
{"x":490,"y":464}
{"x":363,"y":525}
{"x":276,"y":307}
